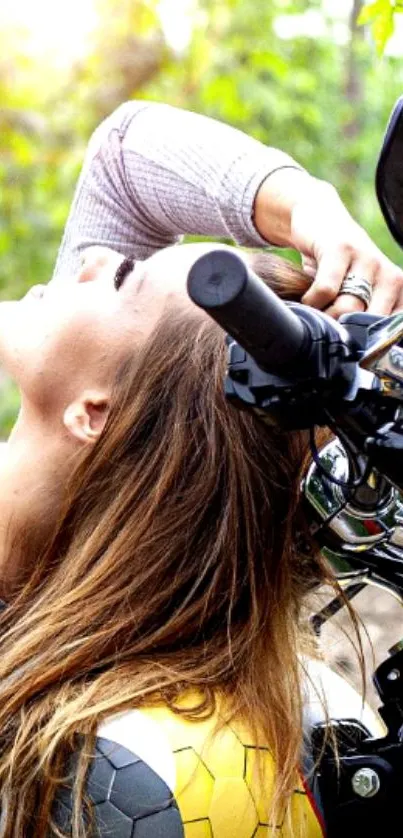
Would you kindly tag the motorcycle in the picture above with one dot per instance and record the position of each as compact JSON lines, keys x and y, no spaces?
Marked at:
{"x":297,"y":368}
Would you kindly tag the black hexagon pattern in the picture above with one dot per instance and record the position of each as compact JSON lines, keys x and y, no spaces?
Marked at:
{"x":130,"y":799}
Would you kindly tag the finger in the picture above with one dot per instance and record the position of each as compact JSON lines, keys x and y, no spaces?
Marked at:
{"x":309,"y":266}
{"x":382,"y":301}
{"x":344,"y":304}
{"x":361,"y":271}
{"x":387,"y":293}
{"x":399,"y":292}
{"x":398,"y":305}
{"x":332,"y":269}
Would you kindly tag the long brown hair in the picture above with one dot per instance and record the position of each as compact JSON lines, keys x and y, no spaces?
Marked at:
{"x":174,"y":566}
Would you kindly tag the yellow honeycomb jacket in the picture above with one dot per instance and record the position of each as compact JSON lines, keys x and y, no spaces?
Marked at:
{"x":217,"y":785}
{"x":212,"y":779}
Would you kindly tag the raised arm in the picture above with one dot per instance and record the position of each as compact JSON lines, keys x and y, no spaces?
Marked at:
{"x":153,"y":172}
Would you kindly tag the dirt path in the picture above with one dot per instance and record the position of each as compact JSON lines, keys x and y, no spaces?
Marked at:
{"x":382,"y":616}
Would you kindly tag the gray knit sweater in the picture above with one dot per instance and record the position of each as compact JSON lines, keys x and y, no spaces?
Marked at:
{"x":153,"y":173}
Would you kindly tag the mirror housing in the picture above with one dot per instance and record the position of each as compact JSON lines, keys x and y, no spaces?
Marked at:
{"x":389,"y":174}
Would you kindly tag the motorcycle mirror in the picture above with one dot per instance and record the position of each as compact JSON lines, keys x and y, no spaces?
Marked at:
{"x":389,"y":174}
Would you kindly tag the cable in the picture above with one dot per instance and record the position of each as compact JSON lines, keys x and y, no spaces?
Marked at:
{"x":344,"y":484}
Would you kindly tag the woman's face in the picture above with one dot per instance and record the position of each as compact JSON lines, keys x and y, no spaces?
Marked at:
{"x":64,"y":337}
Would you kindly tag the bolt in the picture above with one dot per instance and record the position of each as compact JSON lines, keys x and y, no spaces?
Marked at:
{"x":393,"y":675}
{"x":366,"y":782}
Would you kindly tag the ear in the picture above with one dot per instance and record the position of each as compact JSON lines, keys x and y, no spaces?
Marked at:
{"x":85,"y":417}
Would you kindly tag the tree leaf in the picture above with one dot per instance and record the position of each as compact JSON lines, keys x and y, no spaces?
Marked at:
{"x":383,"y":28}
{"x":372,"y":10}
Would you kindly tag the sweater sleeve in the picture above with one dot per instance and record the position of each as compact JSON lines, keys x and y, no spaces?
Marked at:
{"x":153,"y":173}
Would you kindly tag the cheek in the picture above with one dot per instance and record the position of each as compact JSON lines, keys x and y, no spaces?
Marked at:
{"x":19,"y":335}
{"x":47,"y":349}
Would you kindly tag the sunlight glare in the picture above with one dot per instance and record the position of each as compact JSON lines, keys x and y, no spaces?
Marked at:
{"x":56,"y":32}
{"x":176,"y":18}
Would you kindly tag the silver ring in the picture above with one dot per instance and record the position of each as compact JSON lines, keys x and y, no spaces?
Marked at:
{"x":358,"y":286}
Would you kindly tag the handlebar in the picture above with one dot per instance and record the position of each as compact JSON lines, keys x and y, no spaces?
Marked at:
{"x":223,"y":285}
{"x":301,"y":368}
{"x":289,"y":340}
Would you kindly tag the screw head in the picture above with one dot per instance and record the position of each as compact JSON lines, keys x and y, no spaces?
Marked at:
{"x":393,"y":675}
{"x":366,"y":782}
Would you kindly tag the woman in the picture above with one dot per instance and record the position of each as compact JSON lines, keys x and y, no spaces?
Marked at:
{"x":150,"y":533}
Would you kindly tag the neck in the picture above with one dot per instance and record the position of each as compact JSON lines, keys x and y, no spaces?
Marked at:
{"x":34,"y":465}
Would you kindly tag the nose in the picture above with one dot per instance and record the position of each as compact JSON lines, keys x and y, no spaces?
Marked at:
{"x":96,"y":261}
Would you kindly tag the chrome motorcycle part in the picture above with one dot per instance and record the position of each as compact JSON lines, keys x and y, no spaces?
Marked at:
{"x":366,"y":782}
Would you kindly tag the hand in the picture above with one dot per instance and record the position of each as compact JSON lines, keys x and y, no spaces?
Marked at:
{"x":308,"y":214}
{"x":333,"y":245}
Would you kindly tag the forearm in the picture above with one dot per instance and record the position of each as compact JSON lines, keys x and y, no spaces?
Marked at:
{"x":153,"y":173}
{"x":277,"y":198}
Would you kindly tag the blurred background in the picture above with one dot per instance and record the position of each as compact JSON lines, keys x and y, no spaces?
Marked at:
{"x":317,"y":78}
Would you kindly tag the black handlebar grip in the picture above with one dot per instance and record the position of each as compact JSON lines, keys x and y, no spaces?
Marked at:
{"x":239,"y":301}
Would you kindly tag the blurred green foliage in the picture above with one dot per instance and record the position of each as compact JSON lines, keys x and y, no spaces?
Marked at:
{"x":381,"y":15}
{"x":302,"y":76}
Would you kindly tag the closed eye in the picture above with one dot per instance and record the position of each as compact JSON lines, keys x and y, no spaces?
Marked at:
{"x":122,"y":272}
